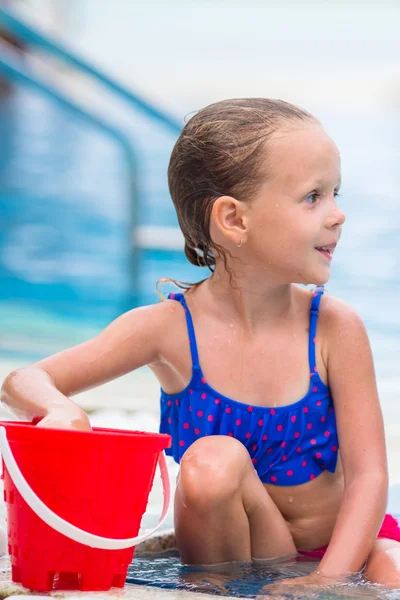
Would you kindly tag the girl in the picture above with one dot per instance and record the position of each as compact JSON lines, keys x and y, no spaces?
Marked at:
{"x":268,"y":389}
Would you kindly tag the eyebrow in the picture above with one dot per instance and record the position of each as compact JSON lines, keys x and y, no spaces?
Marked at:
{"x":318,"y":182}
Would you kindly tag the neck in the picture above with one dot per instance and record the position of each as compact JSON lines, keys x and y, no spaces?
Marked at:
{"x":247,"y":297}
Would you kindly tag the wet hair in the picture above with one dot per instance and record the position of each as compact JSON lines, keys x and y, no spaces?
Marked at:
{"x":223,"y":151}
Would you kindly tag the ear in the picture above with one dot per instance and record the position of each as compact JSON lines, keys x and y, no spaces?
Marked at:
{"x":229,"y":216}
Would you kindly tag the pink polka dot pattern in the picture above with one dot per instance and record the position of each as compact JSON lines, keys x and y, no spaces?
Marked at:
{"x":288,"y":444}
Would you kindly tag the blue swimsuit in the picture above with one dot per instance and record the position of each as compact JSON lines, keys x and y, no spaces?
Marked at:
{"x":288,"y":445}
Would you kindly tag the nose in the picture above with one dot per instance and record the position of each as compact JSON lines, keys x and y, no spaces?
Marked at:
{"x":337,"y":217}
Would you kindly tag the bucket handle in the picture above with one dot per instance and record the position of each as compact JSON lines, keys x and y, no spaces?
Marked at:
{"x":64,"y":527}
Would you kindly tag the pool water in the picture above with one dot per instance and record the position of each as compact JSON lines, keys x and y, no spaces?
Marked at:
{"x":245,"y":580}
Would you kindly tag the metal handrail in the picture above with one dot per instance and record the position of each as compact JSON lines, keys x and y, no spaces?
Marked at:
{"x":14,"y":70}
{"x":32,"y":35}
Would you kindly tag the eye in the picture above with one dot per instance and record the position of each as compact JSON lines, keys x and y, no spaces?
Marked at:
{"x":315,"y":196}
{"x":312,"y":198}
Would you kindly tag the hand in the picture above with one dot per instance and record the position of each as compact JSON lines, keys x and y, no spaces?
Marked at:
{"x":297,"y":585}
{"x":65,"y":418}
{"x":207,"y":581}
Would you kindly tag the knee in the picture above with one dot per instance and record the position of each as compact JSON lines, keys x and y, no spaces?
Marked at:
{"x":212,"y":470}
{"x":383,"y":565}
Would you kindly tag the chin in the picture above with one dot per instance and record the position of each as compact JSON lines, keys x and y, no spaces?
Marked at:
{"x":314,"y":279}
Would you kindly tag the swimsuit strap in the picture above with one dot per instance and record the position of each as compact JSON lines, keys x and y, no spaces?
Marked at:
{"x":192,"y":337}
{"x":314,"y":310}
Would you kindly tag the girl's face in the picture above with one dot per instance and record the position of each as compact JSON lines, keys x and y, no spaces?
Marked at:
{"x":294,"y":219}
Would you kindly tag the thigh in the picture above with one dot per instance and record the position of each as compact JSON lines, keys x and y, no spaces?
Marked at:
{"x":383,"y":565}
{"x":222,"y":510}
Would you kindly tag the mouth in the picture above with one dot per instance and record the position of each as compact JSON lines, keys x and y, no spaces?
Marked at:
{"x":327,"y":251}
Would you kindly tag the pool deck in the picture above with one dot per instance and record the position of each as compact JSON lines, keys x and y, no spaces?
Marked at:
{"x":130,"y":591}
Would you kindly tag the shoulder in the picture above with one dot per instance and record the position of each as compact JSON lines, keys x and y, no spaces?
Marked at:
{"x":158,"y":316}
{"x":144,"y":334}
{"x":341,"y":328}
{"x":336,"y":316}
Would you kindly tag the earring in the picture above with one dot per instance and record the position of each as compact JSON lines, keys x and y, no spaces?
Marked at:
{"x":241,"y":244}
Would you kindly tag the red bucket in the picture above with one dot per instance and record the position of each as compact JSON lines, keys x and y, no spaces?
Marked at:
{"x":75,"y":500}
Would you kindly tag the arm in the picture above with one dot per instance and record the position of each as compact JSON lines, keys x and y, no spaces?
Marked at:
{"x":42,"y":390}
{"x":362,"y":442}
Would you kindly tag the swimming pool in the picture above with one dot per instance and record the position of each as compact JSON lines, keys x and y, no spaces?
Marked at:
{"x":240,"y":580}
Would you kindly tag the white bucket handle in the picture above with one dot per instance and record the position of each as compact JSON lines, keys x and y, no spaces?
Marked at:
{"x":62,"y":526}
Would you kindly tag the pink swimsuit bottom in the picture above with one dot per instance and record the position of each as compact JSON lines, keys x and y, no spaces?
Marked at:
{"x":390,"y":530}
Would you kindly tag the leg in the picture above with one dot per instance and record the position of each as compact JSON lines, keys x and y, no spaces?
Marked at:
{"x":223,"y":513}
{"x":383,"y":564}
